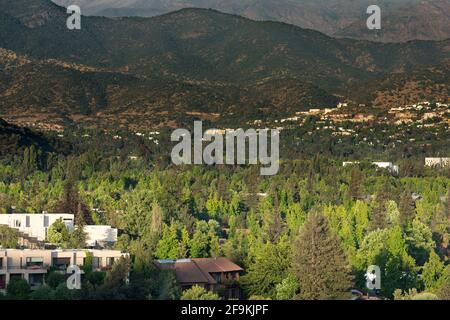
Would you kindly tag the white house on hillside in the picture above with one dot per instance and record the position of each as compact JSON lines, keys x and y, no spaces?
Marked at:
{"x":437,"y":162}
{"x":393,"y":168}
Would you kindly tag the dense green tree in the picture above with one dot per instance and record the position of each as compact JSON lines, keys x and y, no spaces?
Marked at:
{"x":378,"y":217}
{"x":30,"y":161}
{"x":319,"y":261}
{"x":387,"y":249}
{"x":77,"y":238}
{"x":116,"y":282}
{"x":54,"y":279}
{"x":270,"y":267}
{"x":198,"y":293}
{"x":9,"y":237}
{"x":168,"y":246}
{"x":444,"y":292}
{"x":419,"y":240}
{"x":432,"y":272}
{"x":18,"y":288}
{"x":407,"y":208}
{"x":355,"y":188}
{"x":44,"y":292}
{"x":183,"y":251}
{"x":288,"y":288}
{"x":63,"y":293}
{"x":413,"y":294}
{"x":156,"y":225}
{"x":205,"y":239}
{"x":137,"y":212}
{"x":58,"y":233}
{"x":168,"y":288}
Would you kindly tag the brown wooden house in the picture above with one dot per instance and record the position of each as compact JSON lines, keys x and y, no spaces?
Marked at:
{"x":219,"y":275}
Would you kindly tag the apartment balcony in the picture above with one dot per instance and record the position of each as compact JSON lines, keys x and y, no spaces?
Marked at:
{"x":28,"y":269}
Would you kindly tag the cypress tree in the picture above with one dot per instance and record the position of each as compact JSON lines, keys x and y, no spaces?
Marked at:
{"x":356,"y":180}
{"x":407,"y":208}
{"x":378,"y":217}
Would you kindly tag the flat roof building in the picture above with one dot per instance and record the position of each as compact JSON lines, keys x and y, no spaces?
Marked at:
{"x":36,"y":225}
{"x":437,"y":162}
{"x":32,"y":265}
{"x":393,"y":168}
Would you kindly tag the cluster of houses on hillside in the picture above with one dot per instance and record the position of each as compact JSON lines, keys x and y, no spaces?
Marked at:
{"x":394,"y":169}
{"x":420,"y":112}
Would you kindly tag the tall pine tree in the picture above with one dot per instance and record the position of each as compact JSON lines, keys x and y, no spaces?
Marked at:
{"x":319,"y":261}
{"x":378,"y":219}
{"x":407,"y":208}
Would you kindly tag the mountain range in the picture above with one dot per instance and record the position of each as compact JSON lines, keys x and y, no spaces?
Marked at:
{"x":195,"y":63}
{"x":402,"y":20}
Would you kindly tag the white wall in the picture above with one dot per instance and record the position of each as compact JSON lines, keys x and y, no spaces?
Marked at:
{"x":100,"y":235}
{"x":35,"y":224}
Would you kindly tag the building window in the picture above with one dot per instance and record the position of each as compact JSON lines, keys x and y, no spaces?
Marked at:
{"x":36,"y":280}
{"x":27,"y":221}
{"x":217,"y":277}
{"x":2,"y":282}
{"x":35,"y":262}
{"x":61,"y":263}
{"x":109,"y":262}
{"x":96,"y":262}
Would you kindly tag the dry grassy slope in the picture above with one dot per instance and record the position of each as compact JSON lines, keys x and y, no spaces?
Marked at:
{"x":399,"y":89}
{"x":206,"y":45}
{"x":187,"y":64}
{"x":59,"y":93}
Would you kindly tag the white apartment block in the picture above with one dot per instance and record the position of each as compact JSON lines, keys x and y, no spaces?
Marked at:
{"x":437,"y":162}
{"x":36,"y":225}
{"x":393,"y":168}
{"x":387,"y":165}
{"x":100,"y":235}
{"x":32,"y":265}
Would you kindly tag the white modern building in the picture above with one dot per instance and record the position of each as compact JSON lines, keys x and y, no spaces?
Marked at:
{"x":36,"y":225}
{"x":393,"y":168}
{"x":32,"y":265}
{"x":437,"y":162}
{"x":100,"y":235}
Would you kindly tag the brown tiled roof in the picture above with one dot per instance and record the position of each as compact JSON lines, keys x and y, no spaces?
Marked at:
{"x":192,"y":271}
{"x":213,"y":265}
